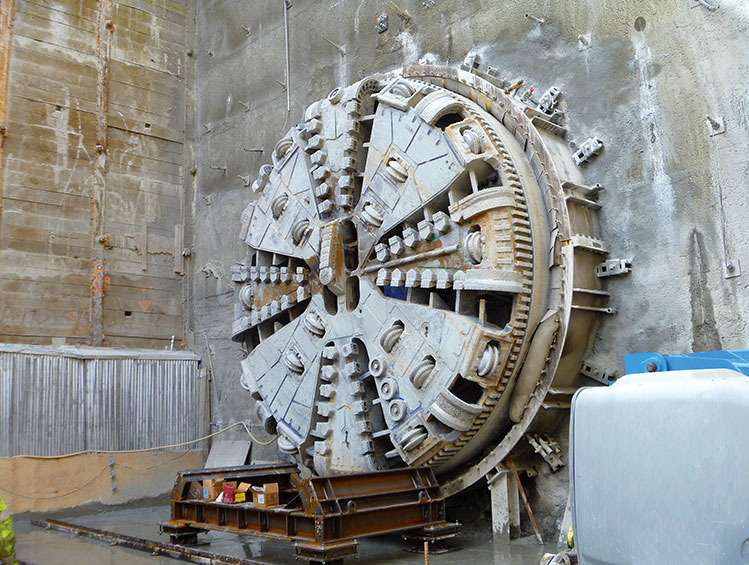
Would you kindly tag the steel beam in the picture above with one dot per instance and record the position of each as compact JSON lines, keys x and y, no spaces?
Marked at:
{"x":154,"y":547}
{"x":322,"y":516}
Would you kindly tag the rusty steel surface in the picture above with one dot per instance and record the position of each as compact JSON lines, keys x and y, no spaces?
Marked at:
{"x":192,"y":555}
{"x":420,"y":278}
{"x":321,"y":516}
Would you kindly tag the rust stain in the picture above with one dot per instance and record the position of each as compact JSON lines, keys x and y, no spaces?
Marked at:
{"x":103,"y":45}
{"x":7,"y":16}
{"x":100,"y":282}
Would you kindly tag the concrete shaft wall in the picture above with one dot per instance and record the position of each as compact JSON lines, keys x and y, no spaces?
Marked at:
{"x":94,"y":104}
{"x":675,"y":198}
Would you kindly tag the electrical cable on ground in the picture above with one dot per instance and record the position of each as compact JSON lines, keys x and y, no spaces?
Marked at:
{"x":144,"y":450}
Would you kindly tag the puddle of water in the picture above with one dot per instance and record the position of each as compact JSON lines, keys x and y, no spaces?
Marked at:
{"x":42,"y":547}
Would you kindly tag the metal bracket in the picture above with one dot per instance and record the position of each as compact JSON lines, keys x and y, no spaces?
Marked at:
{"x":239,"y":272}
{"x":613,"y":268}
{"x":596,"y":372}
{"x":471,"y":61}
{"x":548,"y":449}
{"x":381,"y":23}
{"x":548,"y":100}
{"x":732,"y":268}
{"x":589,"y":149}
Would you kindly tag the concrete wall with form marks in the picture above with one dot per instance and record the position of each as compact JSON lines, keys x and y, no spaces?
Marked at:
{"x":94,"y":102}
{"x":675,"y":199}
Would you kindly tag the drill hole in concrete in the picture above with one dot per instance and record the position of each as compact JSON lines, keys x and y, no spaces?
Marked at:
{"x":640,"y":23}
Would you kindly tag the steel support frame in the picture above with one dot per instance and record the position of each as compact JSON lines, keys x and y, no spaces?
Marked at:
{"x":321,"y":516}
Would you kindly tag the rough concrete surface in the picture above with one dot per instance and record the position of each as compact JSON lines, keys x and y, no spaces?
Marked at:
{"x":675,"y":198}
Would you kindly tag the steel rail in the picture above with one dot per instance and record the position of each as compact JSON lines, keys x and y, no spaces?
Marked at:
{"x":154,"y":547}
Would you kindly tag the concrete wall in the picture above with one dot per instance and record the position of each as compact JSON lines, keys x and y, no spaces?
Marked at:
{"x":675,"y":198}
{"x":44,"y":485}
{"x":92,"y":203}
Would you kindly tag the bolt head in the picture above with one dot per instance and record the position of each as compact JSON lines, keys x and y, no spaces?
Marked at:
{"x":651,"y":367}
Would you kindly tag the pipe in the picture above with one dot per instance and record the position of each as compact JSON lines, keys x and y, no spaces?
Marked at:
{"x":288,"y":78}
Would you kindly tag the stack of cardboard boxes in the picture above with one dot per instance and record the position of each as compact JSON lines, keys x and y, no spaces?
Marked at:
{"x":229,"y":492}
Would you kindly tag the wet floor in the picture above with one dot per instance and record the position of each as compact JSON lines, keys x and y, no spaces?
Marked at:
{"x":41,"y":547}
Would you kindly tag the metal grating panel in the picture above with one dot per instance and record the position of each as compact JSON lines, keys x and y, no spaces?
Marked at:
{"x":56,"y":400}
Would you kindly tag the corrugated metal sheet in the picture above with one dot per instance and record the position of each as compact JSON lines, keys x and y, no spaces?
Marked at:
{"x":56,"y":400}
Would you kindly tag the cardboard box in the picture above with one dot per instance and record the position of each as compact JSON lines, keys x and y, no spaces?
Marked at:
{"x":196,"y":491}
{"x":240,"y":494}
{"x":265,"y":496}
{"x":212,"y":488}
{"x":227,"y":496}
